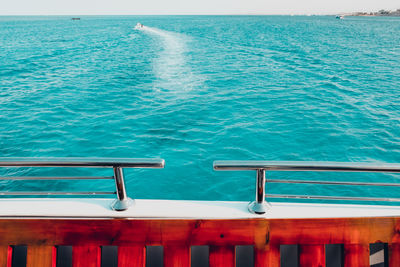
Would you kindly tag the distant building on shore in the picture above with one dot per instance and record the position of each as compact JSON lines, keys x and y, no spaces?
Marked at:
{"x":381,"y":12}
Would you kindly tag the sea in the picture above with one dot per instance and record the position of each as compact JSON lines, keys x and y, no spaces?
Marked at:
{"x":195,"y":89}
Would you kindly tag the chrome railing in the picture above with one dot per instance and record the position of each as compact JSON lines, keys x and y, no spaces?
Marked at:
{"x":122,"y":202}
{"x":260,"y":205}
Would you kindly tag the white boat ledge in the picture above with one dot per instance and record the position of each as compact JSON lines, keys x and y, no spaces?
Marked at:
{"x":180,"y":209}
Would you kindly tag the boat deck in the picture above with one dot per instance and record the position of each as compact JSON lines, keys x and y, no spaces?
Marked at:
{"x":361,"y":235}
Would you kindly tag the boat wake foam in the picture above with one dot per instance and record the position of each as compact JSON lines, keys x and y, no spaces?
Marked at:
{"x":171,"y":68}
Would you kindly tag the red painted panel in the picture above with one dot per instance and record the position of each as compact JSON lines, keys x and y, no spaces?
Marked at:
{"x":356,"y":255}
{"x":9,"y":256}
{"x":86,"y":236}
{"x":312,"y":256}
{"x":222,"y":256}
{"x":176,"y":256}
{"x":394,"y":255}
{"x":132,"y":256}
{"x":267,"y":257}
{"x":86,"y":256}
{"x":199,"y":232}
{"x":41,"y":256}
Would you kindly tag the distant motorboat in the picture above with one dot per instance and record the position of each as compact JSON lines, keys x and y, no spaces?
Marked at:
{"x":339,"y":17}
{"x":138,"y":26}
{"x":76,"y":19}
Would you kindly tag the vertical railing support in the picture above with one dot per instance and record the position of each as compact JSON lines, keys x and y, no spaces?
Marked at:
{"x":259,"y":206}
{"x":123,"y":202}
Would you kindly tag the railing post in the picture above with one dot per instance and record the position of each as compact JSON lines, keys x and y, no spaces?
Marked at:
{"x":123,"y":202}
{"x":260,"y":205}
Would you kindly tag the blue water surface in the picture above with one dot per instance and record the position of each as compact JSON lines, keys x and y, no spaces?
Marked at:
{"x":194,"y":89}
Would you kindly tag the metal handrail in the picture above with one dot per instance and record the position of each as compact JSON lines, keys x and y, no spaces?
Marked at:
{"x":122,"y":202}
{"x":54,"y":193}
{"x":306,"y":166}
{"x":82,"y":162}
{"x":56,"y":178}
{"x":260,"y":205}
{"x":279,"y":181}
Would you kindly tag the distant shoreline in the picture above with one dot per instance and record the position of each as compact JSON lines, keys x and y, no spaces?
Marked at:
{"x":380,"y":13}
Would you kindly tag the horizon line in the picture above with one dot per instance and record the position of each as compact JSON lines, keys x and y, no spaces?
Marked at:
{"x":222,"y":14}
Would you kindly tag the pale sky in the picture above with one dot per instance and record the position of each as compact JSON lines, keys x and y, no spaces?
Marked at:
{"x":165,"y":7}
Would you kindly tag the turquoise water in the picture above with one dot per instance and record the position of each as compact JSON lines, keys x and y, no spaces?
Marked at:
{"x":194,"y":89}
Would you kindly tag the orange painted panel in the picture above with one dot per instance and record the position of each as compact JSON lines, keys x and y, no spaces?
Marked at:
{"x":312,"y":256}
{"x":86,"y":256}
{"x":267,"y":257}
{"x":176,"y":256}
{"x":222,"y":256}
{"x":41,"y":256}
{"x":356,"y":255}
{"x":131,"y":256}
{"x":5,"y":255}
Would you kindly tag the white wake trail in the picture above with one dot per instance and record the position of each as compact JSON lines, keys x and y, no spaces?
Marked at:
{"x":171,"y":68}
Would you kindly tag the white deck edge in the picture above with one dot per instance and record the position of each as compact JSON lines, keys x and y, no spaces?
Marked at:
{"x":180,"y":209}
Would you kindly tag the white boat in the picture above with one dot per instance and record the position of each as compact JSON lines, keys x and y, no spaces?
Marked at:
{"x":139,"y":26}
